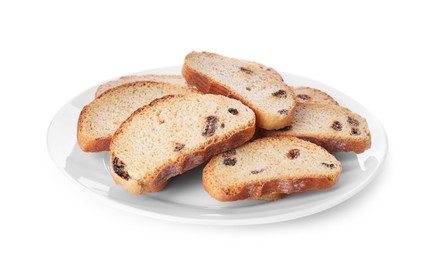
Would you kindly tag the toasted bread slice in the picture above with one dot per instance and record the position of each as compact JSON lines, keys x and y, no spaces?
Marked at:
{"x":177,"y":80}
{"x":333,"y":127}
{"x":100,"y":119}
{"x":270,"y":166}
{"x":263,"y":91}
{"x":174,"y":134}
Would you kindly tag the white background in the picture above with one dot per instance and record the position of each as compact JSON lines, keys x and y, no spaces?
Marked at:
{"x":381,"y":53}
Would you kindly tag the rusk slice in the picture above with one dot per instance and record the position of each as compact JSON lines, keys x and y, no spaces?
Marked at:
{"x":177,"y":80}
{"x":174,"y":134}
{"x":269,"y":167}
{"x":100,"y":119}
{"x":253,"y":84}
{"x":333,"y":127}
{"x":305,"y":95}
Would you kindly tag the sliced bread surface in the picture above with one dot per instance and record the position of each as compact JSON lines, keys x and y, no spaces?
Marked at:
{"x":265,"y":68}
{"x":333,"y":127}
{"x":99,"y":120}
{"x":174,"y":134}
{"x":305,"y":95}
{"x":177,"y":80}
{"x":260,"y":89}
{"x":270,"y":166}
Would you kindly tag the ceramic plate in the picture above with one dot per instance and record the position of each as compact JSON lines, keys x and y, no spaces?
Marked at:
{"x":184,"y":199}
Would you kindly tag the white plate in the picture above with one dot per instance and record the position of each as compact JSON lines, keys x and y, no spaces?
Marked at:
{"x":184,"y":199}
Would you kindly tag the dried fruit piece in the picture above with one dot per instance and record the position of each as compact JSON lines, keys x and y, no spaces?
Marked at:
{"x":179,"y":147}
{"x":230,"y":161}
{"x":355,"y":131}
{"x":293,"y":154}
{"x":223,"y":125}
{"x":257,"y":171}
{"x":280,"y":94}
{"x":229,"y":153}
{"x":329,"y":165}
{"x":246,"y":70}
{"x":233,"y":111}
{"x":304,"y":97}
{"x":337,"y":126}
{"x":248,"y":88}
{"x":353,"y":121}
{"x":119,"y":168}
{"x":210,"y":128}
{"x":283,"y":111}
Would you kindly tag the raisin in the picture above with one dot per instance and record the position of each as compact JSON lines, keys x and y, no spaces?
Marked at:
{"x":229,"y":153}
{"x":337,"y":126}
{"x":329,"y":165}
{"x":353,"y":121}
{"x":248,"y":88}
{"x":210,"y":128}
{"x":246,"y":70}
{"x":304,"y":97}
{"x":233,"y":111}
{"x":223,"y":125}
{"x":286,"y":128}
{"x":355,"y":131}
{"x":283,"y":111}
{"x":257,"y":171}
{"x":230,"y":161}
{"x":268,"y":69}
{"x":293,"y":154}
{"x":179,"y":147}
{"x":280,"y":94}
{"x":119,"y":168}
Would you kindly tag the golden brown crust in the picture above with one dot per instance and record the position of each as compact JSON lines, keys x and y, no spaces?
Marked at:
{"x":334,"y":145}
{"x":82,"y":140}
{"x":272,"y":196}
{"x":93,"y":145}
{"x":134,"y":187}
{"x":185,"y":163}
{"x":277,"y":187}
{"x":330,"y":143}
{"x":207,"y":85}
